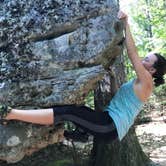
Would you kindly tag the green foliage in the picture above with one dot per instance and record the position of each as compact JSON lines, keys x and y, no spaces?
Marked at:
{"x":130,"y":73}
{"x":89,"y":101}
{"x":60,"y":163}
{"x":149,"y":17}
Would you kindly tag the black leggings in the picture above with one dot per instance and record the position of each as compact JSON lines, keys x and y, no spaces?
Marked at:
{"x":99,"y":124}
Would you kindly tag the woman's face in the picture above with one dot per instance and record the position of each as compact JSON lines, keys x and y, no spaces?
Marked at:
{"x":149,"y":61}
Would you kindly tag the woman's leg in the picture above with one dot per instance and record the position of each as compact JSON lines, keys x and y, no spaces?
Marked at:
{"x":94,"y":122}
{"x":38,"y":116}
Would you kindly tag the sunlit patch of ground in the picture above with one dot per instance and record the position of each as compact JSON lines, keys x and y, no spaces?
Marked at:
{"x":152,"y":137}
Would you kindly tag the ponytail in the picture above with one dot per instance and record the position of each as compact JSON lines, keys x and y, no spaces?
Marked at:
{"x":158,"y":81}
{"x":160,"y":66}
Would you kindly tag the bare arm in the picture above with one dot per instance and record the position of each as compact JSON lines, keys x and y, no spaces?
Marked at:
{"x":132,"y":50}
{"x":144,"y":78}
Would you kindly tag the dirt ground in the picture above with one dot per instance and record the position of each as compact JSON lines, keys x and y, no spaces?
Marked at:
{"x":152,"y":137}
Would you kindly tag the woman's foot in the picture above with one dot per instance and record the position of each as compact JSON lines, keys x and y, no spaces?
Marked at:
{"x":77,"y":135}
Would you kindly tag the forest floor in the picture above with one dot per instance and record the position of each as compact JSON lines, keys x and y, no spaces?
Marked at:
{"x":152,"y":138}
{"x":152,"y":135}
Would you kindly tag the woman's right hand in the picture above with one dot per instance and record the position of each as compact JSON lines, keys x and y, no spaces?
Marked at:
{"x":123,"y":16}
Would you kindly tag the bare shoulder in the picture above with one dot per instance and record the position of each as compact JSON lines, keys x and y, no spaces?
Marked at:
{"x":143,"y":89}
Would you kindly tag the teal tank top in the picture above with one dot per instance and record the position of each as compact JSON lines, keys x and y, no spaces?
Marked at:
{"x":124,"y":107}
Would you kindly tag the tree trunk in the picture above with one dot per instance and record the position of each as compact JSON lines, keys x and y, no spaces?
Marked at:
{"x":128,"y":152}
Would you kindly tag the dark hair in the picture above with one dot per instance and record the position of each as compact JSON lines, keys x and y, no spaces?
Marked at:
{"x":160,"y":66}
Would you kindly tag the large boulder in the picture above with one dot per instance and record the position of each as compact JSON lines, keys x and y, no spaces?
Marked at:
{"x":52,"y":52}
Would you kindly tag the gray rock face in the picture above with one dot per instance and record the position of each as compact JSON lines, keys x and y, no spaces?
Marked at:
{"x":18,"y":140}
{"x":53,"y":52}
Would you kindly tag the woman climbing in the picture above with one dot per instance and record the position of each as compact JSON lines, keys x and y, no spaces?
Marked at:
{"x":116,"y":119}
